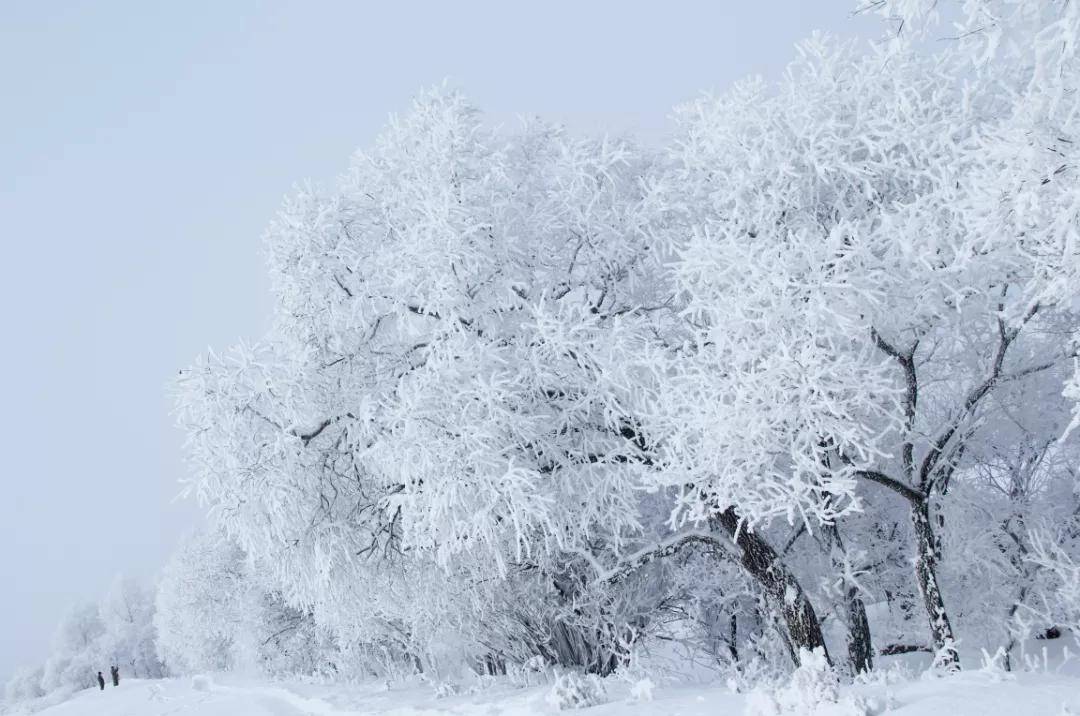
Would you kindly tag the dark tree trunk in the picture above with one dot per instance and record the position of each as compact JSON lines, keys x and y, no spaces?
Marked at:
{"x":860,"y":646}
{"x":926,"y":559}
{"x":733,"y":637}
{"x":782,"y":589}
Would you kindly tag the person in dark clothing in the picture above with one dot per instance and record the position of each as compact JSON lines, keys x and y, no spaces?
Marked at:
{"x":101,"y":681}
{"x":115,"y":672}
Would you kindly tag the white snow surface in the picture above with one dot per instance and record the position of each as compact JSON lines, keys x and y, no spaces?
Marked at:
{"x":977,"y":693}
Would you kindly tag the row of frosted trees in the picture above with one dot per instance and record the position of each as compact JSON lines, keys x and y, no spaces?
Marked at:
{"x":806,"y":371}
{"x":116,"y":630}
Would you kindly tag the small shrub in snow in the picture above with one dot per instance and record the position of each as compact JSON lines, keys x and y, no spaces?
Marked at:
{"x":753,"y":674}
{"x":533,"y":672}
{"x":993,"y":665}
{"x":574,"y":691}
{"x":201,"y":683}
{"x":482,"y":683}
{"x":634,"y":672}
{"x":895,"y":673}
{"x":642,"y":689}
{"x":445,"y":689}
{"x":814,"y":689}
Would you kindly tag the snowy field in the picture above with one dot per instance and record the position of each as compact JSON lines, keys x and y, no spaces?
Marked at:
{"x":978,"y":693}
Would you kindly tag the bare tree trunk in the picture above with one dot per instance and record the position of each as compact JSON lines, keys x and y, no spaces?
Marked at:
{"x":926,"y":558}
{"x":782,"y":589}
{"x":733,"y":637}
{"x":860,"y":646}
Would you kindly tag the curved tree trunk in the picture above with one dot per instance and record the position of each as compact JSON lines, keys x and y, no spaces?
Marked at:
{"x":781,"y":588}
{"x":926,"y":559}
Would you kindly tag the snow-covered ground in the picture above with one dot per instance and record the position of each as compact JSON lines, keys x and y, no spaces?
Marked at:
{"x":977,"y":693}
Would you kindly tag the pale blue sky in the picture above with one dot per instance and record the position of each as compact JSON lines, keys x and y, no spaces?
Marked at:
{"x":146,"y":145}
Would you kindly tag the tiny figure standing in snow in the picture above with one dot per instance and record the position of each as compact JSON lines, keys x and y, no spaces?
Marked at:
{"x":115,"y":672}
{"x":101,"y":681}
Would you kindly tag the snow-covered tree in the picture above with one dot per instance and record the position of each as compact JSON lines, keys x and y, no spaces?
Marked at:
{"x":854,"y":309}
{"x":91,"y":637}
{"x":199,"y":604}
{"x":518,"y":383}
{"x":127,"y":614}
{"x":118,"y":630}
{"x":24,"y":685}
{"x":77,"y":653}
{"x":216,"y":612}
{"x":448,"y":372}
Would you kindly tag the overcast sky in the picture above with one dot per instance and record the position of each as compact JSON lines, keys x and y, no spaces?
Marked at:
{"x":144,"y":148}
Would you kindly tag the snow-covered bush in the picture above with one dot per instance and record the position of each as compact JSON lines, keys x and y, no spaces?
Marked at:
{"x":202,"y":682}
{"x":813,"y":690}
{"x":1057,"y":559}
{"x":642,"y":689}
{"x":572,"y":690}
{"x":24,"y":684}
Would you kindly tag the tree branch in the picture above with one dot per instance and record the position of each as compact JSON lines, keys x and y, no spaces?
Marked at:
{"x":305,"y":438}
{"x":908,"y":493}
{"x":975,"y":395}
{"x":906,"y":360}
{"x":665,"y":548}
